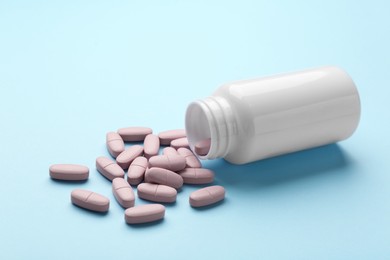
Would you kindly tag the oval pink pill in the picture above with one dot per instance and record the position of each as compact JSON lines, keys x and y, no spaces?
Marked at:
{"x":109,"y":168}
{"x":123,"y":192}
{"x":134,"y":134}
{"x":90,"y":200}
{"x":115,"y":144}
{"x":151,"y":145}
{"x":164,"y":176}
{"x":191,"y":160}
{"x":207,"y":196}
{"x":137,"y":169}
{"x":144,"y":213}
{"x":156,"y":192}
{"x":197,"y":175}
{"x":167,"y":136}
{"x":125,"y":158}
{"x":169,"y":151}
{"x":69,"y":172}
{"x":169,"y":162}
{"x":181,"y":142}
{"x":202,"y":147}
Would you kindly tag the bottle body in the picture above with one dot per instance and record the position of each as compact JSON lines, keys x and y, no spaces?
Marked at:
{"x":256,"y":119}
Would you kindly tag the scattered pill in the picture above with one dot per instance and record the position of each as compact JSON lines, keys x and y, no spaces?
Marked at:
{"x":90,"y":200}
{"x":169,"y":162}
{"x":144,"y":213}
{"x":125,"y":158}
{"x":197,"y":175}
{"x":115,"y":144}
{"x":167,"y":136}
{"x":146,"y":178}
{"x":108,"y":168}
{"x":123,"y":192}
{"x":151,"y":145}
{"x":134,"y":134}
{"x":181,"y":142}
{"x":191,"y":160}
{"x":137,"y":169}
{"x":169,"y":151}
{"x":207,"y":196}
{"x":158,"y":176}
{"x":203,"y":147}
{"x":69,"y":172}
{"x":164,"y":176}
{"x":156,"y":192}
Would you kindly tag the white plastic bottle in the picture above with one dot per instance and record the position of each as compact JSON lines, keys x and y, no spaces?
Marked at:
{"x":260,"y":118}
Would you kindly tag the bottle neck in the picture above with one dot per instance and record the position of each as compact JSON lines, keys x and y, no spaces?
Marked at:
{"x":211,"y":118}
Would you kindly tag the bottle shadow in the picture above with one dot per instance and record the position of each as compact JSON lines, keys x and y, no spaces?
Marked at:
{"x":280,"y":169}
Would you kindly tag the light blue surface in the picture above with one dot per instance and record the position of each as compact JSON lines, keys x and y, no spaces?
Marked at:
{"x":70,"y":72}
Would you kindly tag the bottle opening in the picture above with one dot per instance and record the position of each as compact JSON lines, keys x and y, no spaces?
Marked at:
{"x":209,"y":127}
{"x":198,"y":129}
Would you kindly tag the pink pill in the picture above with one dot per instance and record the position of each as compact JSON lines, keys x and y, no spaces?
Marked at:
{"x":197,"y":175}
{"x":191,"y":160}
{"x":207,"y":196}
{"x":115,"y":144}
{"x":151,"y":145}
{"x":169,"y":162}
{"x":156,"y":192}
{"x":203,"y":147}
{"x":123,"y":192}
{"x":109,"y":168}
{"x":146,"y":178}
{"x":127,"y":156}
{"x":144,"y":213}
{"x":69,"y":172}
{"x":169,"y":151}
{"x":134,"y":134}
{"x":137,"y":169}
{"x":90,"y":200}
{"x":181,"y":142}
{"x":164,"y":176}
{"x":167,"y":136}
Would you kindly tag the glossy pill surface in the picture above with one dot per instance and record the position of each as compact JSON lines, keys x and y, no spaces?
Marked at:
{"x":90,"y":200}
{"x":181,"y":142}
{"x":109,"y":168}
{"x":126,"y":157}
{"x":164,"y":176}
{"x":197,"y":175}
{"x":169,"y":151}
{"x":69,"y":172}
{"x":156,"y":192}
{"x":136,"y":171}
{"x":207,"y":196}
{"x":123,"y":192}
{"x":151,"y":145}
{"x":134,"y":134}
{"x":191,"y":160}
{"x":144,"y":213}
{"x":169,"y":162}
{"x":115,"y":144}
{"x":167,"y":136}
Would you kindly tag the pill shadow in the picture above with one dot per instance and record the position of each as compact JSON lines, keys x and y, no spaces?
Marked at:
{"x":90,"y":212}
{"x":166,"y":204}
{"x":145,"y":225}
{"x":209,"y":207}
{"x":281,"y":169}
{"x":64,"y":182}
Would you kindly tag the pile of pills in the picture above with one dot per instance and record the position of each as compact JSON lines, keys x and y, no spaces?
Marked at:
{"x":157,"y":177}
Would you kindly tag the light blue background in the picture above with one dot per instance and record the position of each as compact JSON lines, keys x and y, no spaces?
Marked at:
{"x":72,"y":70}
